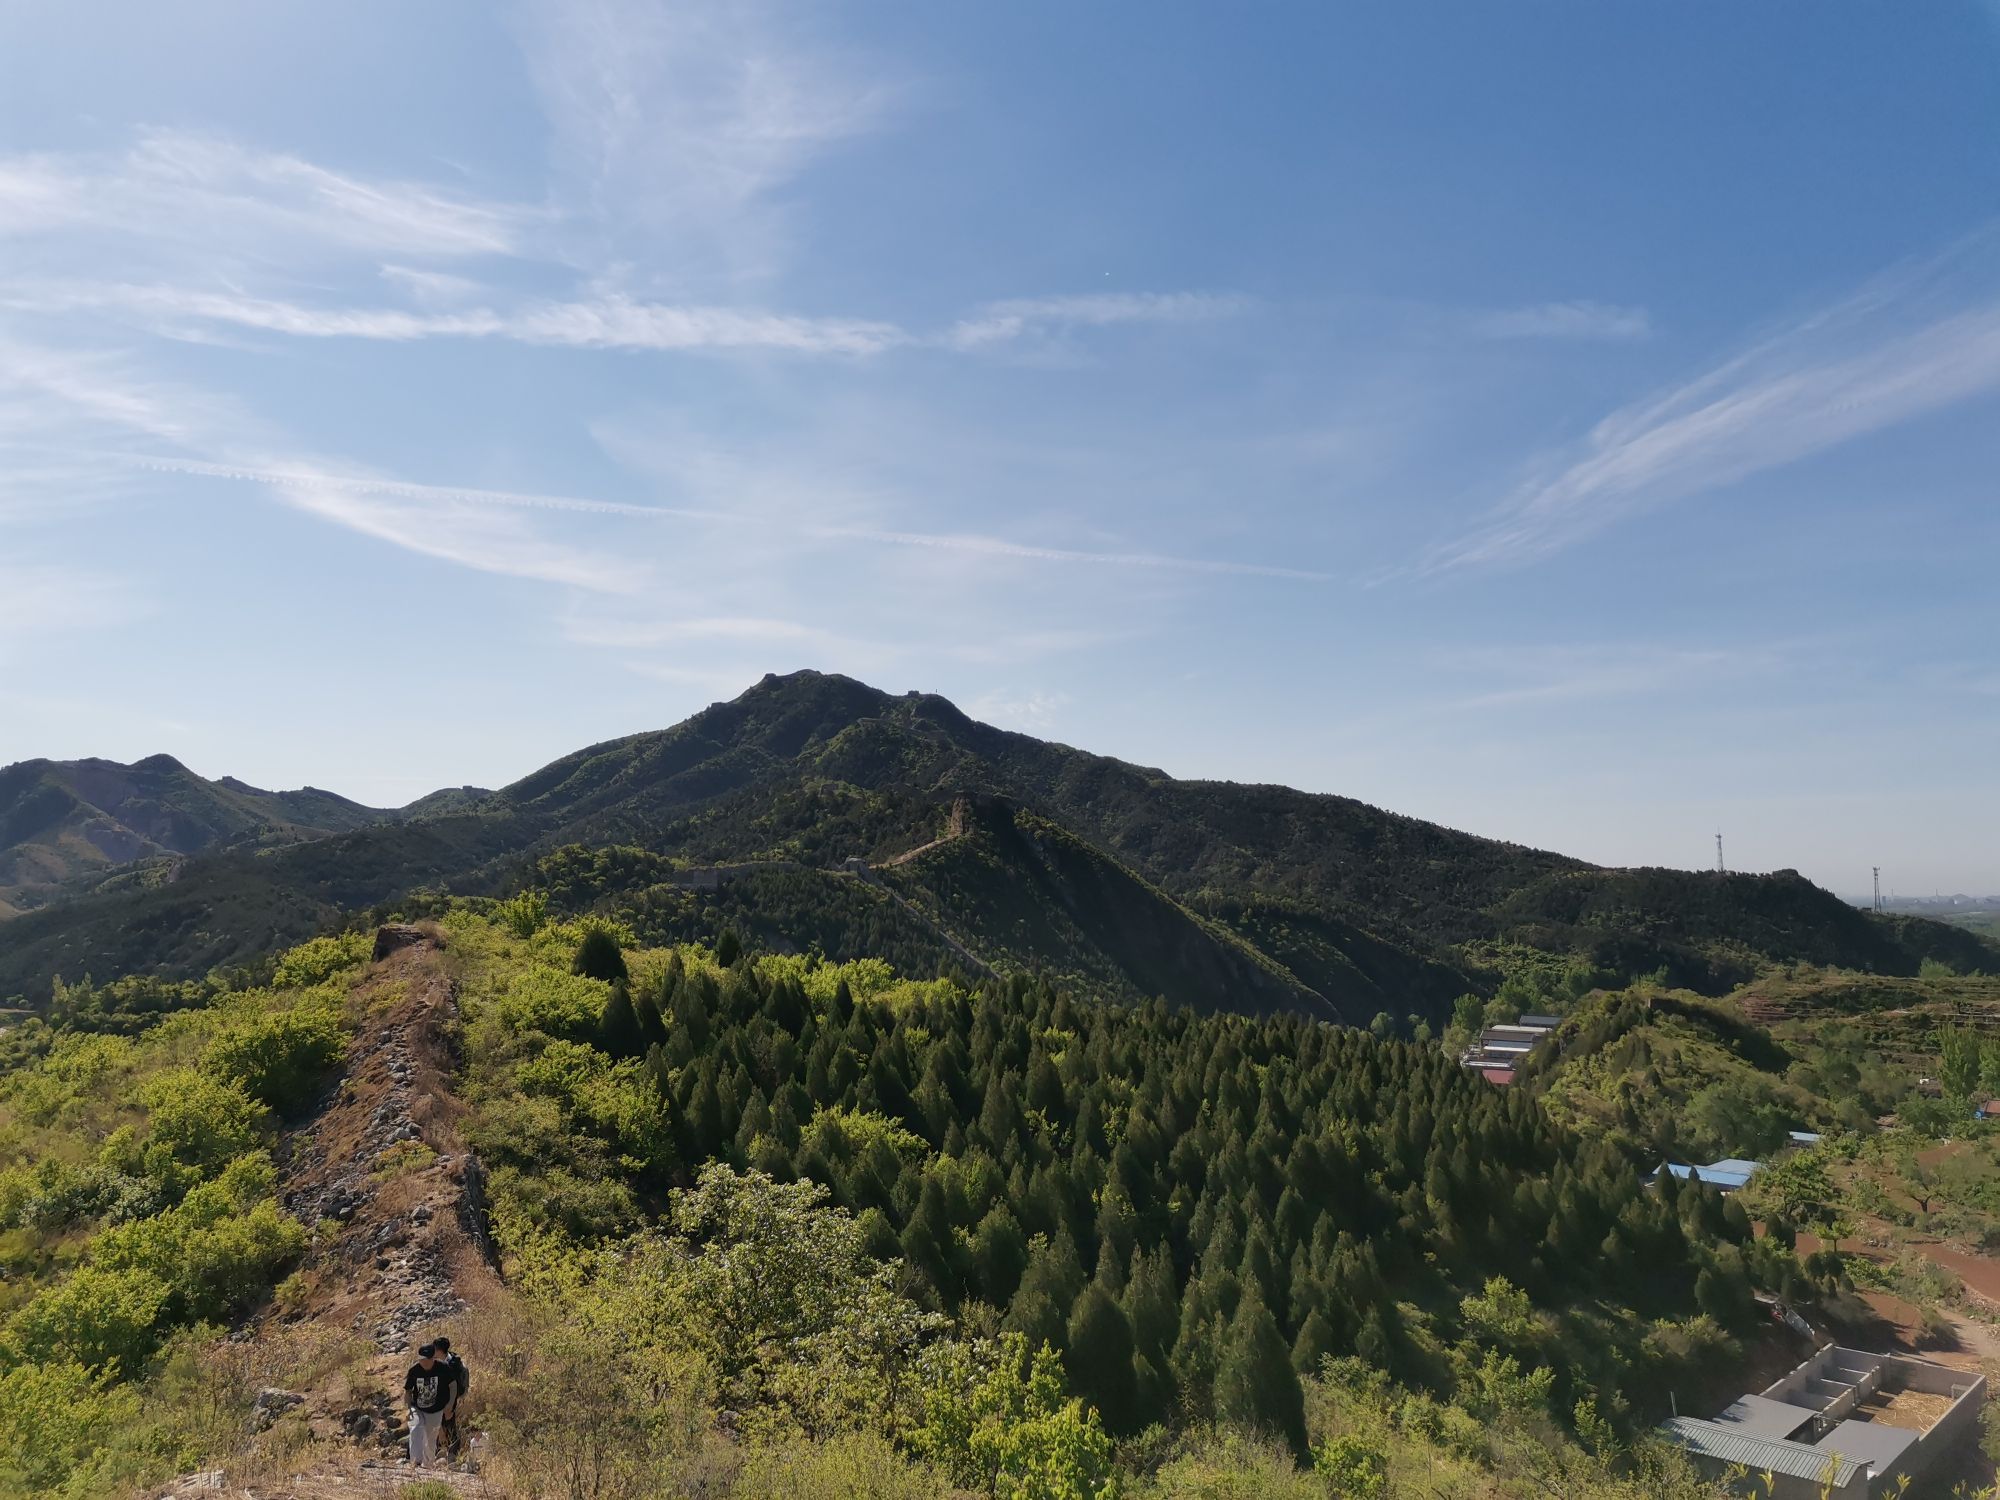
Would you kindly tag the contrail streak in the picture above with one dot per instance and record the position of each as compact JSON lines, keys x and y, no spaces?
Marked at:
{"x":945,"y":541}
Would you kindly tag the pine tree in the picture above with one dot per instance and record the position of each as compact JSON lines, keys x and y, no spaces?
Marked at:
{"x":1100,"y":1360}
{"x":618,"y":1029}
{"x":652,"y":1020}
{"x":1151,"y":1304}
{"x":1033,"y":1315}
{"x":1256,"y":1387}
{"x":999,"y":1255}
{"x":1314,"y":1343}
{"x":599,"y":957}
{"x":928,"y":1241}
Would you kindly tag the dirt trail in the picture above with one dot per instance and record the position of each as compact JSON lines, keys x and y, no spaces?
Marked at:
{"x":383,"y":1160}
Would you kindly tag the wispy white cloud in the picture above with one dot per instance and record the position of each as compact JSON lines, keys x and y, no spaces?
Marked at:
{"x":86,"y":411}
{"x":46,"y":391}
{"x":371,"y":487}
{"x":610,"y":321}
{"x":1589,"y":321}
{"x":432,"y":288}
{"x":632,"y":634}
{"x":682,"y":122}
{"x":1537,"y":674}
{"x":1905,"y":345}
{"x":606,"y":323}
{"x":469,"y":535}
{"x":1003,"y":322}
{"x":208,"y":191}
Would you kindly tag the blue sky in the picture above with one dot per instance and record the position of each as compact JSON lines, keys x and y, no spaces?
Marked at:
{"x":1575,"y":423}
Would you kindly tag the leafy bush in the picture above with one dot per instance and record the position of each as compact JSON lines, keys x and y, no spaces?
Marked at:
{"x":105,"y":1321}
{"x":847,"y":1466}
{"x":218,"y":1250}
{"x":52,"y":1418}
{"x":277,"y":1058}
{"x":613,"y":1101}
{"x":568,"y":1006}
{"x":525,"y":915}
{"x":1352,"y":1469}
{"x":319,"y":960}
{"x":998,"y":1419}
{"x":198,"y":1122}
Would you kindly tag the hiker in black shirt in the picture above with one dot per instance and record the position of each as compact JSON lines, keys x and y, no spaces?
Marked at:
{"x":453,"y":1436}
{"x":429,"y":1388}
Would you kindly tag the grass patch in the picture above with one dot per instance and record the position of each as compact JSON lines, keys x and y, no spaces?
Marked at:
{"x":401,"y":1159}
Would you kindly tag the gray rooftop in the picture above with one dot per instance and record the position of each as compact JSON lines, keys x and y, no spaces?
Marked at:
{"x":1729,"y":1444}
{"x":1874,"y":1443}
{"x":1760,"y":1416}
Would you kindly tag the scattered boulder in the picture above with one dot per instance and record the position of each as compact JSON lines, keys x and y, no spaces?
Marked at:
{"x":271,"y":1404}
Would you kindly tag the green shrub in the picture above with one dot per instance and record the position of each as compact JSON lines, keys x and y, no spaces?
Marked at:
{"x":853,"y":1466}
{"x":568,"y":1006}
{"x":525,"y":915}
{"x":105,"y":1320}
{"x":402,"y":1159}
{"x":277,"y":1058}
{"x":1352,"y":1469}
{"x":998,"y":1419}
{"x":218,"y":1250}
{"x":52,"y":1418}
{"x":319,"y":960}
{"x":198,"y":1121}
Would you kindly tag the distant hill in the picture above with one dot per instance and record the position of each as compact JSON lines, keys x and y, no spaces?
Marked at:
{"x":65,"y":823}
{"x":828,"y":813}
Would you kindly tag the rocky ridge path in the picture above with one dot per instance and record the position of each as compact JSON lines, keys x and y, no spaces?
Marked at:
{"x":402,"y":1248}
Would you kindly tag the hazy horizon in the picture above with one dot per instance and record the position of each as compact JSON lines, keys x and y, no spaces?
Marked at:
{"x":1572,"y":425}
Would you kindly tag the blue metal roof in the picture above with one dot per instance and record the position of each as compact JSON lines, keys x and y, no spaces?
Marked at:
{"x":1732,"y":1174}
{"x":1734,"y":1164}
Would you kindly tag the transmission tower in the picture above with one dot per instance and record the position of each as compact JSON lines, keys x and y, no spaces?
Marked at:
{"x":1720,"y":867}
{"x":1878,"y":887}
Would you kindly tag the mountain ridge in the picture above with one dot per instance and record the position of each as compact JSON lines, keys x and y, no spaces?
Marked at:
{"x":1362,"y":908}
{"x":65,"y":822}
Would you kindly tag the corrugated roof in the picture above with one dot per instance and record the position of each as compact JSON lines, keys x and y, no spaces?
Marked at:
{"x":1731,"y":1445}
{"x":1715,"y":1176}
{"x":1760,"y":1416}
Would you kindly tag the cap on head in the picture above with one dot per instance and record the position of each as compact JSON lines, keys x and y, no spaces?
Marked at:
{"x":426,"y":1351}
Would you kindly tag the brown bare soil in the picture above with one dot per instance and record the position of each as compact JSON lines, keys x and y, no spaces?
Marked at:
{"x":1917,"y":1411}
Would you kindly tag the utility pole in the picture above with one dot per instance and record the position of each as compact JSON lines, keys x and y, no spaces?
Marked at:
{"x":1720,"y":867}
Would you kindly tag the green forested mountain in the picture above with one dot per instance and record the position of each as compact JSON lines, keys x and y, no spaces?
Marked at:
{"x":990,"y":852}
{"x":921,"y":1238}
{"x":68,"y":823}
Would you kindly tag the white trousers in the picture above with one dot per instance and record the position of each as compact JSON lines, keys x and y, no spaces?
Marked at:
{"x":424,"y":1427}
